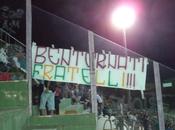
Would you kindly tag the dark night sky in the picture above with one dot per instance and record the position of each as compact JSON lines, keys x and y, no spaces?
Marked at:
{"x":151,"y":36}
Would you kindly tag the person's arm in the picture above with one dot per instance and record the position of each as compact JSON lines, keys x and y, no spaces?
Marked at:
{"x":48,"y":85}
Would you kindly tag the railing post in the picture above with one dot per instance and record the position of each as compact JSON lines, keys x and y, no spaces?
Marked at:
{"x":29,"y":51}
{"x":159,"y":95}
{"x":92,"y":72}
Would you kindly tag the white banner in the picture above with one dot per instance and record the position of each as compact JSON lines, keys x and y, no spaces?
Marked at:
{"x":69,"y":65}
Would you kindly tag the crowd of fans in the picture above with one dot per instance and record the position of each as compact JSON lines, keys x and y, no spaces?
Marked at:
{"x":47,"y":95}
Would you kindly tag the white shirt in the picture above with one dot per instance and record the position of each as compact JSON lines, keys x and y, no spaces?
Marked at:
{"x":99,"y":99}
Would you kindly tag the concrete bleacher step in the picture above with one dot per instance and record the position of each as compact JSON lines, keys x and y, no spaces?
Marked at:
{"x":63,"y":122}
{"x":65,"y":107}
{"x":74,"y":109}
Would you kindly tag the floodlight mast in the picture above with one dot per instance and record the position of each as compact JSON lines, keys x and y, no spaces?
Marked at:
{"x":123,"y":18}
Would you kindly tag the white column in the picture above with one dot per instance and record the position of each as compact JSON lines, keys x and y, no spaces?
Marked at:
{"x":159,"y":96}
{"x":92,"y":72}
{"x":29,"y":51}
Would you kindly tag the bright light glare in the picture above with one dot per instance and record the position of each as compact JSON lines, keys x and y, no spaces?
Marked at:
{"x":123,"y":17}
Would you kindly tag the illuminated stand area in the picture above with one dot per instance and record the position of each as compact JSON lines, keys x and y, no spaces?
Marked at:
{"x":67,"y":62}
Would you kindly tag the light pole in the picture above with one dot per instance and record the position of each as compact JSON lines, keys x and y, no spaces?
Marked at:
{"x":124,"y":17}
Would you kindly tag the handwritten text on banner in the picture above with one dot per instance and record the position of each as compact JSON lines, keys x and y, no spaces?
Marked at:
{"x":69,"y":65}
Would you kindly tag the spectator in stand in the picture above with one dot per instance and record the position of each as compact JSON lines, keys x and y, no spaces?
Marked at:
{"x":36,"y":92}
{"x":47,"y":97}
{"x":68,"y":90}
{"x":100,"y":103}
{"x":74,"y":93}
{"x":168,"y":125}
{"x":58,"y":97}
{"x":85,"y":101}
{"x":77,"y":92}
{"x":107,"y":109}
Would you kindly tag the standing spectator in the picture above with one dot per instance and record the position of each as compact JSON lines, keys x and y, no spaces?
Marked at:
{"x":77,"y":92}
{"x":73,"y":97}
{"x":145,"y":120}
{"x":85,"y":101}
{"x":58,"y":96}
{"x":74,"y":93}
{"x":47,"y":97}
{"x":37,"y":89}
{"x":99,"y":102}
{"x":107,"y":106}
